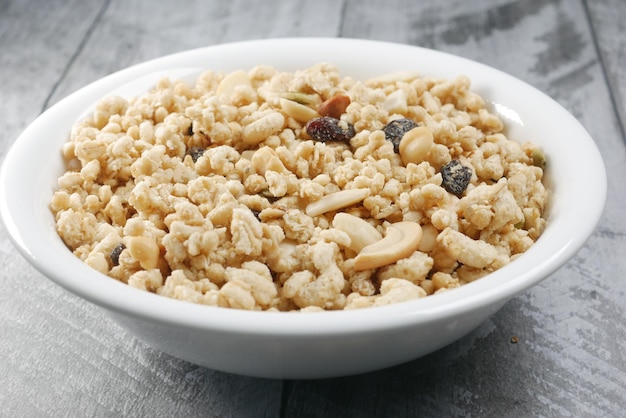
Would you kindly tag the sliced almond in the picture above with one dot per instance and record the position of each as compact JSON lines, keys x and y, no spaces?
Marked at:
{"x":231,"y":81}
{"x":396,"y":102}
{"x":337,"y":200}
{"x":298,"y":111}
{"x":260,"y":129}
{"x":397,"y":76}
{"x":266,"y":159}
{"x":401,"y":240}
{"x":361,"y":232}
{"x":271,"y":213}
{"x":302,"y":98}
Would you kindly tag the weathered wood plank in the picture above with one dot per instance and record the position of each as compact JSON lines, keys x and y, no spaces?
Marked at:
{"x":60,"y":352}
{"x":568,"y":359}
{"x":61,"y":356}
{"x":64,"y":357}
{"x":37,"y":41}
{"x":68,"y":47}
{"x":134,"y":31}
{"x":608,"y":18}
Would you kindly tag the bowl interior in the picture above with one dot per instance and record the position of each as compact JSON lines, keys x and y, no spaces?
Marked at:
{"x":32,"y":166}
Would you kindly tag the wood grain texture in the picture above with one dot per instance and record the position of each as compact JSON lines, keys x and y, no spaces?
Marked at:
{"x":129,"y":32}
{"x":35,"y":51}
{"x":64,"y":357}
{"x":608,"y":18}
{"x":563,"y":351}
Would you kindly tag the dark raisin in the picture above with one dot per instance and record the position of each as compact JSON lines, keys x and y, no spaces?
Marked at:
{"x":395,"y":130}
{"x":327,"y":129}
{"x":269,"y":196}
{"x":455,"y":177}
{"x":196,"y":153}
{"x":115,"y":254}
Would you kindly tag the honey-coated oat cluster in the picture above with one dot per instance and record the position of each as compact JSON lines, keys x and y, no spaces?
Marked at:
{"x":305,"y":190}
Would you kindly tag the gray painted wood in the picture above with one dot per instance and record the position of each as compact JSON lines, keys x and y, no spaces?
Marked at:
{"x":608,"y":18}
{"x":63,"y":357}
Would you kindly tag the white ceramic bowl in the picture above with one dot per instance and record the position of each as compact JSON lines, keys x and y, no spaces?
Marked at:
{"x":325,"y":344}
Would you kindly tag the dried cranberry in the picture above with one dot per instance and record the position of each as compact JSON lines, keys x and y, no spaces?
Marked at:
{"x":327,"y":129}
{"x":395,"y":130}
{"x":455,"y":177}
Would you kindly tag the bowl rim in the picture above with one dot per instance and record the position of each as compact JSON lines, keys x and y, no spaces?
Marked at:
{"x":552,"y":250}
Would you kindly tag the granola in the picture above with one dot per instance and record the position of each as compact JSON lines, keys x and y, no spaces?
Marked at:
{"x":304,"y":190}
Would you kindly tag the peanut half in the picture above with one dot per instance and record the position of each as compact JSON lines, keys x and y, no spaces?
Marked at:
{"x":337,"y":200}
{"x":400,"y":241}
{"x":266,"y":159}
{"x":144,"y":250}
{"x":361,"y":232}
{"x":416,"y":144}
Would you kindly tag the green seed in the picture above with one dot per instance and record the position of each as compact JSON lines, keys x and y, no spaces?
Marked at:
{"x":299,"y":97}
{"x":539,"y":158}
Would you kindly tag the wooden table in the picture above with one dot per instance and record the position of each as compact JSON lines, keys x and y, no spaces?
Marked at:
{"x":60,"y":356}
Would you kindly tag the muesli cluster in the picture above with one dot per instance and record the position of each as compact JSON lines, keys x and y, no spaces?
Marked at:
{"x":305,"y":190}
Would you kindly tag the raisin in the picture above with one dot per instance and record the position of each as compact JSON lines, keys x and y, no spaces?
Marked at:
{"x":115,"y":254}
{"x":327,"y":129}
{"x":269,"y":196}
{"x":196,"y":153}
{"x":395,"y":130}
{"x":455,"y":177}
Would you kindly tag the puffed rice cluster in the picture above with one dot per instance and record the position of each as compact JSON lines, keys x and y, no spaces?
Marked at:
{"x":164,"y":192}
